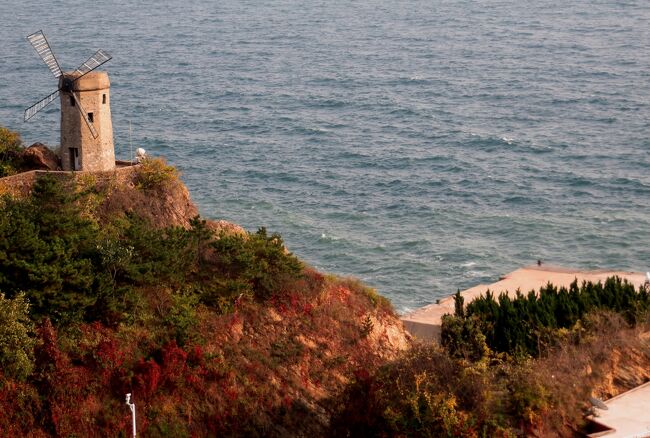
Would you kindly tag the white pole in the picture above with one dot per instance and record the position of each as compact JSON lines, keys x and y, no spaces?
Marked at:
{"x":132,"y":407}
{"x":130,"y":145}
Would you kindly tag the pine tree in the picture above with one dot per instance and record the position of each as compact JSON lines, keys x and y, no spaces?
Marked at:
{"x":46,"y":250}
{"x":459,"y":301}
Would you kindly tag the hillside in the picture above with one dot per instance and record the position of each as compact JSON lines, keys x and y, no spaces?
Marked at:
{"x":115,"y":285}
{"x":111,"y":283}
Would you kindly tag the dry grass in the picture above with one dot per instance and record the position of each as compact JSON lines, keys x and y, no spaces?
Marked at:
{"x":604,"y":359}
{"x":425,"y":392}
{"x":170,"y":205}
{"x":155,"y":173}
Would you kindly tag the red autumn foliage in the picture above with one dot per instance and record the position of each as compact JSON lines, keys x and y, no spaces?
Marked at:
{"x":174,"y":364}
{"x":146,"y":378}
{"x":262,"y":363}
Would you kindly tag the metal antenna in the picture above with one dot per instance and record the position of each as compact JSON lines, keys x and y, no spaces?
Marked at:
{"x":130,"y":144}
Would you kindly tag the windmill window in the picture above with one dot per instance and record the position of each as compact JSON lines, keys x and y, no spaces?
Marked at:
{"x":90,"y":117}
{"x":103,"y":98}
{"x":71,"y":101}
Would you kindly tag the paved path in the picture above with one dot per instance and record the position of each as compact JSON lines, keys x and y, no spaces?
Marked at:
{"x":626,"y":415}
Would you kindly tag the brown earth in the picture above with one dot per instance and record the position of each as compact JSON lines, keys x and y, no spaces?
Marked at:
{"x":167,"y":205}
{"x":610,"y":359}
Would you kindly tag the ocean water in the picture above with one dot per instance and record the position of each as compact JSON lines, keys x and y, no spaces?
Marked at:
{"x":422,"y":146}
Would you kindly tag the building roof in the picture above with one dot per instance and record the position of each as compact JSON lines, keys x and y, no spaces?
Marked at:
{"x":627,"y":415}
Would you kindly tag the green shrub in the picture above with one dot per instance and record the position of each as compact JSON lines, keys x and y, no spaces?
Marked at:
{"x":221,"y":293}
{"x":367,"y":326}
{"x":155,"y":173}
{"x":181,"y":317}
{"x":47,"y":251}
{"x":10,"y":148}
{"x":529,"y":324}
{"x":425,"y":393}
{"x":257,"y":260}
{"x":459,"y":304}
{"x":159,"y":256}
{"x":528,"y":398}
{"x":376,"y":300}
{"x":464,"y":338}
{"x":73,"y":271}
{"x":16,"y":337}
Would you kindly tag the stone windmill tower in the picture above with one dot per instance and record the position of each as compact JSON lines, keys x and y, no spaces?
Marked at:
{"x":86,"y":128}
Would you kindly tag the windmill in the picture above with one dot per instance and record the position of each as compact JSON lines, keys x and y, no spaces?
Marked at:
{"x":86,"y":128}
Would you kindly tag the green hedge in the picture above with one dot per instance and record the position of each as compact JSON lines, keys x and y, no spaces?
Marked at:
{"x":526,"y":324}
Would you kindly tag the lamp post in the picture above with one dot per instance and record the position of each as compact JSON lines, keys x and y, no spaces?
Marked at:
{"x":132,"y":407}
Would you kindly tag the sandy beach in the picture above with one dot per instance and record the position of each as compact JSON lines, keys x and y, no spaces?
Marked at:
{"x":424,"y":323}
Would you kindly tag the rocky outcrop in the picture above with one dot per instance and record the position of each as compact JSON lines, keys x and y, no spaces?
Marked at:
{"x":627,"y":367}
{"x":167,"y":205}
{"x":40,"y":157}
{"x":222,"y":226}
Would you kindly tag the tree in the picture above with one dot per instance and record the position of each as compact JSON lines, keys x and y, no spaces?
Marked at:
{"x":200,"y":235}
{"x":16,"y":337}
{"x":46,"y":250}
{"x":258,"y":261}
{"x":158,"y":256}
{"x":464,"y":338}
{"x":459,"y":302}
{"x":10,"y":147}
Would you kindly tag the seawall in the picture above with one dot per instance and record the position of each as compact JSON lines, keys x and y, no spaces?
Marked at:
{"x":21,"y":184}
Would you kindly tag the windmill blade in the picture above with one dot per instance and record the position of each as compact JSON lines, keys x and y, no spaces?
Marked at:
{"x":100,"y":57}
{"x":42,"y":47}
{"x":32,"y":110}
{"x":84,"y":114}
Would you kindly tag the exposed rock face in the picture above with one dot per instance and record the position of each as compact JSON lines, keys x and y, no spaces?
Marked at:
{"x":626,"y":368}
{"x":169,"y":205}
{"x":220,"y":226}
{"x":40,"y":157}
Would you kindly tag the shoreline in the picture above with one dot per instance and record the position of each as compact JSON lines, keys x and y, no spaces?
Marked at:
{"x":425,"y":323}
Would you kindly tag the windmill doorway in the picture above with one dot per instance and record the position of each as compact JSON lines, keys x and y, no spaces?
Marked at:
{"x":74,"y":159}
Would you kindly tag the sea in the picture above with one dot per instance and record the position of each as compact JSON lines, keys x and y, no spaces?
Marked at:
{"x":422,"y":146}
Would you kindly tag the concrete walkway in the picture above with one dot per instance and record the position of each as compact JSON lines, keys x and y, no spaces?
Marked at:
{"x":626,"y":415}
{"x":424,"y":323}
